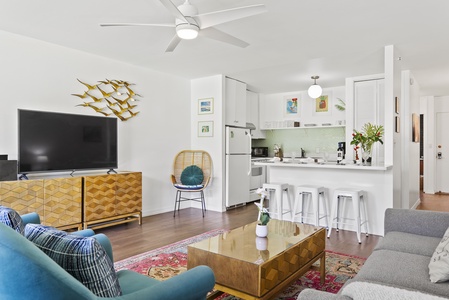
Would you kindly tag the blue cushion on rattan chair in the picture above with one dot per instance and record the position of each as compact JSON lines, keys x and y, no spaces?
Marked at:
{"x":192,"y":175}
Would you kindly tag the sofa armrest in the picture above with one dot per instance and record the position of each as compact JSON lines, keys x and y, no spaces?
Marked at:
{"x":31,"y":218}
{"x":193,"y":284}
{"x":310,"y":294}
{"x":427,"y":223}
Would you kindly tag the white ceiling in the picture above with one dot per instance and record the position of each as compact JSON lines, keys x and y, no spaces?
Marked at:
{"x":291,"y":42}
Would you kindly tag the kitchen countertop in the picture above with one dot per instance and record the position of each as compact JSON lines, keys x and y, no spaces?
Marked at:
{"x":329,"y":165}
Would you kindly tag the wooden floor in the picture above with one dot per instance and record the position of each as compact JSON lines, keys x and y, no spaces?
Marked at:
{"x":160,"y":230}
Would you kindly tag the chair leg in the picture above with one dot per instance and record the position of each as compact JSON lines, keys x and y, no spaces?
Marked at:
{"x":203,"y":203}
{"x":176,"y":202}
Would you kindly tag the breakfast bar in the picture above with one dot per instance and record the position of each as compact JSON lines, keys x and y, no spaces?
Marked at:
{"x":375,"y":180}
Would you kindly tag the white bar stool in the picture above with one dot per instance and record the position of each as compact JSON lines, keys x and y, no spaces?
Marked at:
{"x":279,"y":190}
{"x":358,"y":198}
{"x":311,"y":193}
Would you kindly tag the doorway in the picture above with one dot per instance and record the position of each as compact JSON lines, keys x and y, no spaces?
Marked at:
{"x":442,"y":152}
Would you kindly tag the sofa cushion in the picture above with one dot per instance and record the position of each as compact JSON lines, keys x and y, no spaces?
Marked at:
{"x":192,"y":175}
{"x":406,"y":270}
{"x":373,"y":291}
{"x":82,"y":257}
{"x":11,"y":218}
{"x":439,"y":263}
{"x":409,"y":243}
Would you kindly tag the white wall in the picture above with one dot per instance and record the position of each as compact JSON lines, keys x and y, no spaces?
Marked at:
{"x":428,"y":110}
{"x":41,"y":76}
{"x":392,"y":141}
{"x":410,"y":150}
{"x":273,"y":108}
{"x":210,"y":87}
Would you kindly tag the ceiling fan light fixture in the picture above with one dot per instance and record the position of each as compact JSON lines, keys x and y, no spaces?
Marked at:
{"x":315,"y":90}
{"x":187,"y":31}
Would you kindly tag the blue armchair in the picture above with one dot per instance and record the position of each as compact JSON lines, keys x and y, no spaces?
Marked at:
{"x":28,"y":272}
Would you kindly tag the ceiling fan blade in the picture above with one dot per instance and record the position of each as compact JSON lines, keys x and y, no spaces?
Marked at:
{"x":136,"y":24}
{"x":174,"y":10}
{"x":218,"y":17}
{"x":218,"y":35}
{"x":173,"y":43}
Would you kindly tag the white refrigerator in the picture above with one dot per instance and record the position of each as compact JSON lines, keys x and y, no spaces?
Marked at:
{"x":238,"y":165}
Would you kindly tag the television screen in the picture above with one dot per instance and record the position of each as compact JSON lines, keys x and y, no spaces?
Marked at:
{"x":50,"y":141}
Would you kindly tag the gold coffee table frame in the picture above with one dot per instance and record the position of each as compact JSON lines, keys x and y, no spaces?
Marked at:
{"x":259,"y":268}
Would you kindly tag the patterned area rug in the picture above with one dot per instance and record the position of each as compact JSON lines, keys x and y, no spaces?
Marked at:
{"x":168,"y":261}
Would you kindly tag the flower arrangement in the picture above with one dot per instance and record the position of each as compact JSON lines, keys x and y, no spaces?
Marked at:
{"x":366,"y":138}
{"x":264,"y":216}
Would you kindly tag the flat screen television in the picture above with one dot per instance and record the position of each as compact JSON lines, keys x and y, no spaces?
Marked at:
{"x":50,"y":142}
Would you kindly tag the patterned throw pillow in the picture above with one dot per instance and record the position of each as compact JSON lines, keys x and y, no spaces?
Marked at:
{"x":82,"y":257}
{"x":11,"y":218}
{"x":439,"y":263}
{"x":192,"y":175}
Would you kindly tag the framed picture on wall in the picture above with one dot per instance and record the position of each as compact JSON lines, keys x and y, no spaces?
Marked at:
{"x":205,"y":106}
{"x":397,"y":124}
{"x":206,"y":128}
{"x":291,"y":106}
{"x":322,"y":105}
{"x":416,"y":127}
{"x":396,"y":105}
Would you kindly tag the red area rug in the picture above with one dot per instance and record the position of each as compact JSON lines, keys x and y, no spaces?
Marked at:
{"x":168,"y":261}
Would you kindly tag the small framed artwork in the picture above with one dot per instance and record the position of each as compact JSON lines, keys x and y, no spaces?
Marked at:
{"x":205,"y":106}
{"x":291,"y":105}
{"x":206,"y":128}
{"x":396,"y":105}
{"x":416,"y":126}
{"x":322,"y":105}
{"x":397,"y":124}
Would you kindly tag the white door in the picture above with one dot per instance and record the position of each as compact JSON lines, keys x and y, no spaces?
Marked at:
{"x":442,"y":152}
{"x":238,"y":172}
{"x":238,"y":141}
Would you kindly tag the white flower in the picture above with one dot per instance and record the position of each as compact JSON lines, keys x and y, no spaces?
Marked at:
{"x":262,"y":192}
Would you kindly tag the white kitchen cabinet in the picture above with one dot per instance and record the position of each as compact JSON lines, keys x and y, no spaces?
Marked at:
{"x":253,"y":114}
{"x":235,"y":103}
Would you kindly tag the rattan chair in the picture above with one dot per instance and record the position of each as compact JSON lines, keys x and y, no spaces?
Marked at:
{"x":182,"y":160}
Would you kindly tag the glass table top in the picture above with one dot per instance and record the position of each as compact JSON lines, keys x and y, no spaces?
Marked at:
{"x":243,"y":244}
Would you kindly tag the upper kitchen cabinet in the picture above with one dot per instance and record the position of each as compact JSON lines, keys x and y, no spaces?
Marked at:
{"x":235,"y":103}
{"x":253,"y":114}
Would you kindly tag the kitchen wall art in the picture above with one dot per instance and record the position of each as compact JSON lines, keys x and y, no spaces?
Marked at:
{"x":206,"y":128}
{"x":109,"y":97}
{"x":291,"y":106}
{"x":322,"y":105}
{"x":205,"y":106}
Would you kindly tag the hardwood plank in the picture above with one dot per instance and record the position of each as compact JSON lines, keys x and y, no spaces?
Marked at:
{"x":160,"y":230}
{"x":163,"y":229}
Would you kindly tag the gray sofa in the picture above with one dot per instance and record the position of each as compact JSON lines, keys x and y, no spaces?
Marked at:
{"x":398,"y":267}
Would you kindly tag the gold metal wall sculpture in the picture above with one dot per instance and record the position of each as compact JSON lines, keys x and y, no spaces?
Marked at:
{"x":110,"y":97}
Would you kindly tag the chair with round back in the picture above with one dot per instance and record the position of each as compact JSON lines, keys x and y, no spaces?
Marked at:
{"x":192,"y":171}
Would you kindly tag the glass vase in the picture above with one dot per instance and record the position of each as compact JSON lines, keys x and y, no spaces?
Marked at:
{"x":366,"y":157}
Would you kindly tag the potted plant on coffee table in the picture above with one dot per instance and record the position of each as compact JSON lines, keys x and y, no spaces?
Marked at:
{"x":263,"y":216}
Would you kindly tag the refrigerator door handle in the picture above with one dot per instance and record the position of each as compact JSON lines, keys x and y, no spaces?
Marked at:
{"x":248,"y":135}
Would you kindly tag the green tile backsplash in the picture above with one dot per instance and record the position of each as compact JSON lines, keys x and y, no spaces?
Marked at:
{"x":310,"y":139}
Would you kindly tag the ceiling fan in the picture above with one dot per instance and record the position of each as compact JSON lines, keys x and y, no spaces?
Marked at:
{"x":189,"y":24}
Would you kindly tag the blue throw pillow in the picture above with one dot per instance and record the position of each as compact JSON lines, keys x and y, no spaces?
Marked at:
{"x":82,"y":257}
{"x":192,"y":175}
{"x":11,"y":218}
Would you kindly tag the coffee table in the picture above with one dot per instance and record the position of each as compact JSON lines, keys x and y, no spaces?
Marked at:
{"x":250,"y":267}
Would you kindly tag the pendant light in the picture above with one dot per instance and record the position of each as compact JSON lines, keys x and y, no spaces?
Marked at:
{"x":315,"y":90}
